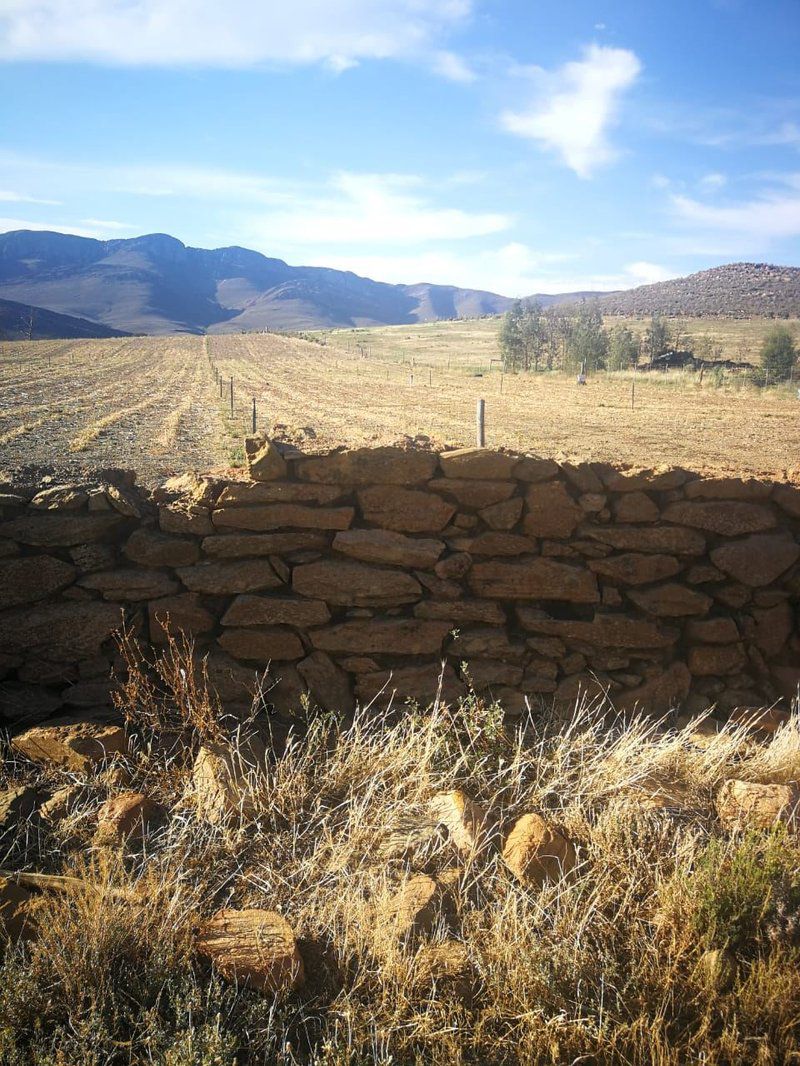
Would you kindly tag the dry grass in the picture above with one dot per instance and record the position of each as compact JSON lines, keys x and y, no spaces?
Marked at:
{"x":606,"y":966}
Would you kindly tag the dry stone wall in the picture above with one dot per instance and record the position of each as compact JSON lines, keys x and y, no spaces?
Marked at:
{"x":359,"y":572}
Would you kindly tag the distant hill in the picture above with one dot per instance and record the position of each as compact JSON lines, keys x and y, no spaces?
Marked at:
{"x":16,"y":324}
{"x":737,"y":290}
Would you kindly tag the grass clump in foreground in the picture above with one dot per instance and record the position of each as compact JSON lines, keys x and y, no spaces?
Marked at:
{"x":672,"y":941}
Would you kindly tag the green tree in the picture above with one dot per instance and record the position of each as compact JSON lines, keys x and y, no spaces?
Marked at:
{"x":522,"y":336}
{"x":623,"y":349}
{"x":587,"y":342}
{"x":779,"y":352}
{"x":510,"y":338}
{"x":657,"y":338}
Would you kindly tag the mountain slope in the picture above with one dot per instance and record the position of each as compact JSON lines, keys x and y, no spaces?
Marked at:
{"x":737,"y":290}
{"x":155,"y":284}
{"x":17,"y":324}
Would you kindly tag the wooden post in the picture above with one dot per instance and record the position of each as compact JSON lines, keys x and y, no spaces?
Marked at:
{"x":480,"y":423}
{"x":430,"y":376}
{"x":501,"y":382}
{"x":254,"y":415}
{"x":231,"y":395}
{"x":633,"y":388}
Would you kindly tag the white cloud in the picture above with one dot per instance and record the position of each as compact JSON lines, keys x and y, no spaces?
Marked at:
{"x":713,"y":181}
{"x":9,"y":224}
{"x":108,"y":225}
{"x":770,"y":216}
{"x":238,"y":33}
{"x":6,"y":196}
{"x":576,"y":106}
{"x":453,"y":67}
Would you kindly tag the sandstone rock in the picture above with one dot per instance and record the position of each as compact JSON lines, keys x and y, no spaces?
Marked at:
{"x":226,"y":578}
{"x":247,"y":493}
{"x":533,"y":579}
{"x":671,"y":600}
{"x":194,"y":519}
{"x":633,"y":568}
{"x":466,"y":821}
{"x":478,"y":463}
{"x":787,"y":498}
{"x":489,"y":642}
{"x":32,"y":577}
{"x":765,"y":721}
{"x":657,"y":695}
{"x":592,"y":502}
{"x":404,"y":510}
{"x":62,"y":803}
{"x":59,"y":631}
{"x":670,"y":540}
{"x":757,"y":560}
{"x":147,"y":547}
{"x":582,"y":686}
{"x":536,"y":852}
{"x":472,"y":493}
{"x":503,"y":515}
{"x":282,"y":516}
{"x":495,"y":544}
{"x":728,"y":488}
{"x":717,"y":969}
{"x":88,"y":557}
{"x":454,"y":566}
{"x":413,"y":911}
{"x":532,"y":469}
{"x":551,"y":511}
{"x":61,"y":498}
{"x":222,"y":777}
{"x":178,"y":614}
{"x":367,"y":466}
{"x":275,"y":610}
{"x":714,"y":660}
{"x":253,"y":947}
{"x":635,"y":507}
{"x":661,"y":480}
{"x":262,"y":645}
{"x":264,"y":461}
{"x":787,"y":681}
{"x":240,"y":545}
{"x":604,"y":631}
{"x":346,"y":582}
{"x":461,"y":611}
{"x":61,"y":530}
{"x":16,"y":917}
{"x":747,"y":805}
{"x":727,"y":517}
{"x":17,"y":805}
{"x":385,"y":546}
{"x":703,"y":574}
{"x":189,"y":488}
{"x":773,"y":627}
{"x":122,"y":500}
{"x":732,"y":595}
{"x":73,"y":745}
{"x":439,"y":588}
{"x":128,"y":817}
{"x":549,"y":647}
{"x":713,"y":631}
{"x":418,"y":683}
{"x":328,"y":684}
{"x":131,"y":585}
{"x":484,"y":673}
{"x":391,"y":636}
{"x":445,"y":966}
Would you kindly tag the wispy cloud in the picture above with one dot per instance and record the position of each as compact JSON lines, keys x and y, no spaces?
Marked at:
{"x":453,"y":67}
{"x":576,"y":106}
{"x":6,"y":196}
{"x":772,"y":215}
{"x":238,"y":33}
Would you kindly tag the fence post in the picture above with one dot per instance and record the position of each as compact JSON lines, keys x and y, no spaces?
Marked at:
{"x":480,"y":423}
{"x":254,"y":415}
{"x":231,"y":395}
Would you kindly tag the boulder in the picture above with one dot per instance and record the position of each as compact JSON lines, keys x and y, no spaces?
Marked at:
{"x":533,"y":579}
{"x":748,"y":805}
{"x":728,"y":488}
{"x":532,"y":469}
{"x":129,"y":585}
{"x":485,"y":673}
{"x":633,"y":568}
{"x":248,"y":493}
{"x":757,"y":560}
{"x":414,"y":909}
{"x":61,"y":498}
{"x":551,"y":511}
{"x":59,"y":631}
{"x":189,"y":488}
{"x":178,"y":614}
{"x":390,"y":636}
{"x":773,"y":628}
{"x":275,"y":610}
{"x":418,"y":683}
{"x":385,"y":546}
{"x":262,"y":645}
{"x":471,"y":493}
{"x":787,"y":498}
{"x":478,"y":464}
{"x":255,"y":948}
{"x":713,"y":631}
{"x":33,"y":577}
{"x":88,"y":557}
{"x":227,"y":578}
{"x":264,"y":461}
{"x":127,"y":818}
{"x":17,"y":805}
{"x":657,"y":695}
{"x":461,"y":611}
{"x":350,"y":583}
{"x":72,"y":745}
{"x":635,"y":507}
{"x":404,"y":510}
{"x":669,"y":540}
{"x":282,"y":516}
{"x":729,"y":518}
{"x":467,"y":822}
{"x":671,"y":600}
{"x":147,"y":547}
{"x":61,"y":530}
{"x":503,"y":516}
{"x":232,"y":681}
{"x":606,"y":630}
{"x":453,"y":566}
{"x":240,"y":545}
{"x":495,"y":544}
{"x":222,"y":777}
{"x":535,"y":852}
{"x":121,"y":500}
{"x":716,"y":660}
{"x":659,"y":480}
{"x":327,"y":683}
{"x":368,"y":466}
{"x":185,"y":518}
{"x":488,"y":643}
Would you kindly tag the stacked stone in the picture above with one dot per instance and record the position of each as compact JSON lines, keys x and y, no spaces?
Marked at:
{"x":358,"y":572}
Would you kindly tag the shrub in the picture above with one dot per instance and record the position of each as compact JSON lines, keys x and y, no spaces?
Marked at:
{"x":779,"y":353}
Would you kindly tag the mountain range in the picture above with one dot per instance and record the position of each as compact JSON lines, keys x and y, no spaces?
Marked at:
{"x":155,"y":284}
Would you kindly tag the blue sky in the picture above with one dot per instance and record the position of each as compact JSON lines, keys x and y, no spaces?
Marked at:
{"x":512,"y":145}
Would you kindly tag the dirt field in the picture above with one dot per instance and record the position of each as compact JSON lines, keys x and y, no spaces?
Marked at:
{"x":157,"y":404}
